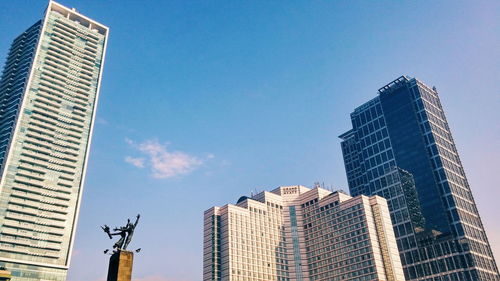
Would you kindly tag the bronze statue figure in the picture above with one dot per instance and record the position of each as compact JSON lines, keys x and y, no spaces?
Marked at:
{"x":130,"y":231}
{"x":125,"y":232}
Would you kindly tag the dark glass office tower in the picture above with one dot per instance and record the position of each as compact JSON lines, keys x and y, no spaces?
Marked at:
{"x":401,"y":148}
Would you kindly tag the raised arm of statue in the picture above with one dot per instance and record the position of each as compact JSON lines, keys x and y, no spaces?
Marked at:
{"x":106,"y":230}
{"x":137,"y":220}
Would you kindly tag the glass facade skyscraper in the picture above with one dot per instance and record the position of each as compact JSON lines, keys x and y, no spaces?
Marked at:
{"x":48,"y":97}
{"x":401,"y":148}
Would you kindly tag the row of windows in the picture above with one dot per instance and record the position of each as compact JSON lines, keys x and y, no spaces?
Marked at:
{"x":366,"y":115}
{"x":367,"y":131}
{"x":323,"y":244}
{"x":331,"y":217}
{"x":353,"y":268}
{"x":373,"y":155}
{"x":379,"y":172}
{"x":15,"y":75}
{"x":348,"y":276}
{"x":477,"y":247}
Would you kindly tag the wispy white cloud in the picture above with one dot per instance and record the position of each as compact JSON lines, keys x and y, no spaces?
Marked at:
{"x":129,"y":142}
{"x":163,"y":162}
{"x":102,"y":121}
{"x":138,"y":162}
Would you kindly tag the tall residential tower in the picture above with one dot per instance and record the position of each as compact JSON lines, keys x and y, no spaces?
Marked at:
{"x":48,"y":97}
{"x":401,"y":148}
{"x":294,"y":233}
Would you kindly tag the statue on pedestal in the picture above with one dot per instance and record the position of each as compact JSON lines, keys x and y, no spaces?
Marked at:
{"x":121,"y":260}
{"x":125,"y":232}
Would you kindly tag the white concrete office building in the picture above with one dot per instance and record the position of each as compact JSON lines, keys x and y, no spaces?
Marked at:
{"x":48,"y":96}
{"x":294,"y":233}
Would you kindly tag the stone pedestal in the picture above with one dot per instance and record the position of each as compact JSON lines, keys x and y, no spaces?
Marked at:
{"x":120,"y":266}
{"x":5,"y":274}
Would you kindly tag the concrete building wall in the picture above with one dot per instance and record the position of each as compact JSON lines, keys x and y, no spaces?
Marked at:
{"x":45,"y":135}
{"x":294,"y":233}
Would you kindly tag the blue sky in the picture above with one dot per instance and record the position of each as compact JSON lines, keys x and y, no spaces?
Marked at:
{"x":205,"y":101}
